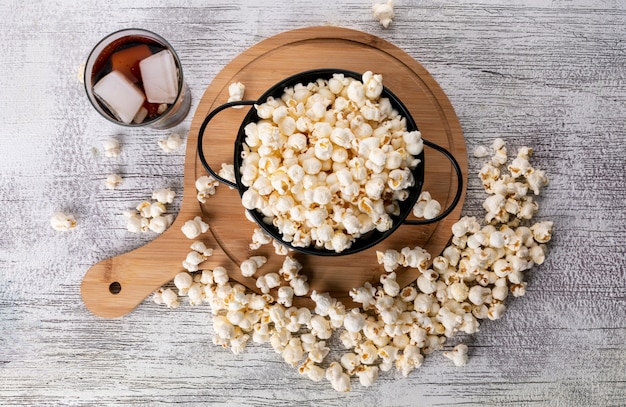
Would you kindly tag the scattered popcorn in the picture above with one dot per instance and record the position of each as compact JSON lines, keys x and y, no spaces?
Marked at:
{"x":367,"y":375}
{"x":393,"y":326}
{"x":458,"y":355}
{"x":481,"y":152}
{"x":390,"y":259}
{"x":285,"y":296}
{"x":205,"y":185}
{"x":169,"y":298}
{"x":171,"y":143}
{"x":81,"y":73}
{"x":312,"y":371}
{"x":383,"y":12}
{"x":227,"y":172}
{"x":194,"y":227}
{"x":236,"y":91}
{"x":111,"y":147}
{"x":112,"y":181}
{"x":151,"y":215}
{"x":200,"y":247}
{"x":62,"y":222}
{"x":268,"y":281}
{"x":338,"y":378}
{"x":164,"y":195}
{"x":160,"y":223}
{"x":183,"y":282}
{"x":250,"y":266}
{"x":426,"y":207}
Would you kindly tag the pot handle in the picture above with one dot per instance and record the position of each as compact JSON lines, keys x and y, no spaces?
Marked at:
{"x":459,"y":188}
{"x":205,"y":123}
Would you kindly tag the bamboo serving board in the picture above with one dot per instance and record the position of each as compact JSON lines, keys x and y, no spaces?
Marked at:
{"x":115,"y":286}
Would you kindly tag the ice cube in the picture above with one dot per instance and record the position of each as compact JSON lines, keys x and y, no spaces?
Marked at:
{"x":127,"y":60}
{"x":120,"y":95}
{"x":141,"y":115}
{"x":160,"y":77}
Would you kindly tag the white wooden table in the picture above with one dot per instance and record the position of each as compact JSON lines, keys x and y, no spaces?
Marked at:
{"x":549,"y":74}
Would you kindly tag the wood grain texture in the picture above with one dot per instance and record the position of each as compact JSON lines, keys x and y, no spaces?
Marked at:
{"x":546,"y":74}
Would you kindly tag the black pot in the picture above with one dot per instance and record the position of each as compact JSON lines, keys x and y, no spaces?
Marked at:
{"x":371,"y":238}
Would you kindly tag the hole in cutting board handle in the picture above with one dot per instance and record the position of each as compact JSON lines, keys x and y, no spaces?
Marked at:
{"x":115,"y":288}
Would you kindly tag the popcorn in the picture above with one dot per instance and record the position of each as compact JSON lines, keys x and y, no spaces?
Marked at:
{"x":293,"y":352}
{"x":62,"y":222}
{"x":169,"y":298}
{"x":410,"y":359}
{"x":542,"y":231}
{"x":268,"y":281}
{"x":205,"y":185}
{"x":160,"y":223}
{"x":367,"y":374}
{"x":390,"y":259}
{"x":317,"y":350}
{"x":338,"y":378}
{"x":112,"y":181}
{"x":364,"y":295}
{"x":312,"y":371}
{"x":259,"y":238}
{"x":290,"y":269}
{"x":426,"y":207}
{"x":201,"y":248}
{"x":383,"y":12}
{"x":195,"y":293}
{"x":390,"y":286}
{"x":164,"y":195}
{"x":193,"y":260}
{"x":415,"y":258}
{"x":285,"y":296}
{"x":481,"y":151}
{"x":80,"y":74}
{"x":299,"y":285}
{"x":458,"y":355}
{"x":111,"y":147}
{"x":220,"y":275}
{"x":183,"y":282}
{"x":136,"y":223}
{"x":350,"y":362}
{"x":236,"y":91}
{"x":323,"y":302}
{"x":194,"y":228}
{"x":354,"y":321}
{"x":320,"y":327}
{"x":227,"y":171}
{"x":479,"y":295}
{"x":171,"y":143}
{"x":150,"y":209}
{"x":249,"y":266}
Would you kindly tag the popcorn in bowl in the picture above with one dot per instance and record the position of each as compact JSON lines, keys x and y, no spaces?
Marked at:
{"x":328,"y":161}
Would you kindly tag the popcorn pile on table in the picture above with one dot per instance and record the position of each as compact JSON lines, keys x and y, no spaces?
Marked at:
{"x":394,"y":327}
{"x":150,"y":214}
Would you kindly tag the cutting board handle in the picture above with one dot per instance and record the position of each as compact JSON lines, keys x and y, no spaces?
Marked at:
{"x":114,"y":287}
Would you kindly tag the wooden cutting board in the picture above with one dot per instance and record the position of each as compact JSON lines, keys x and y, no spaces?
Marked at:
{"x":115,"y":286}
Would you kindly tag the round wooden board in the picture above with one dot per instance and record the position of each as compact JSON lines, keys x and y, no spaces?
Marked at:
{"x":292,"y":52}
{"x":115,"y":286}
